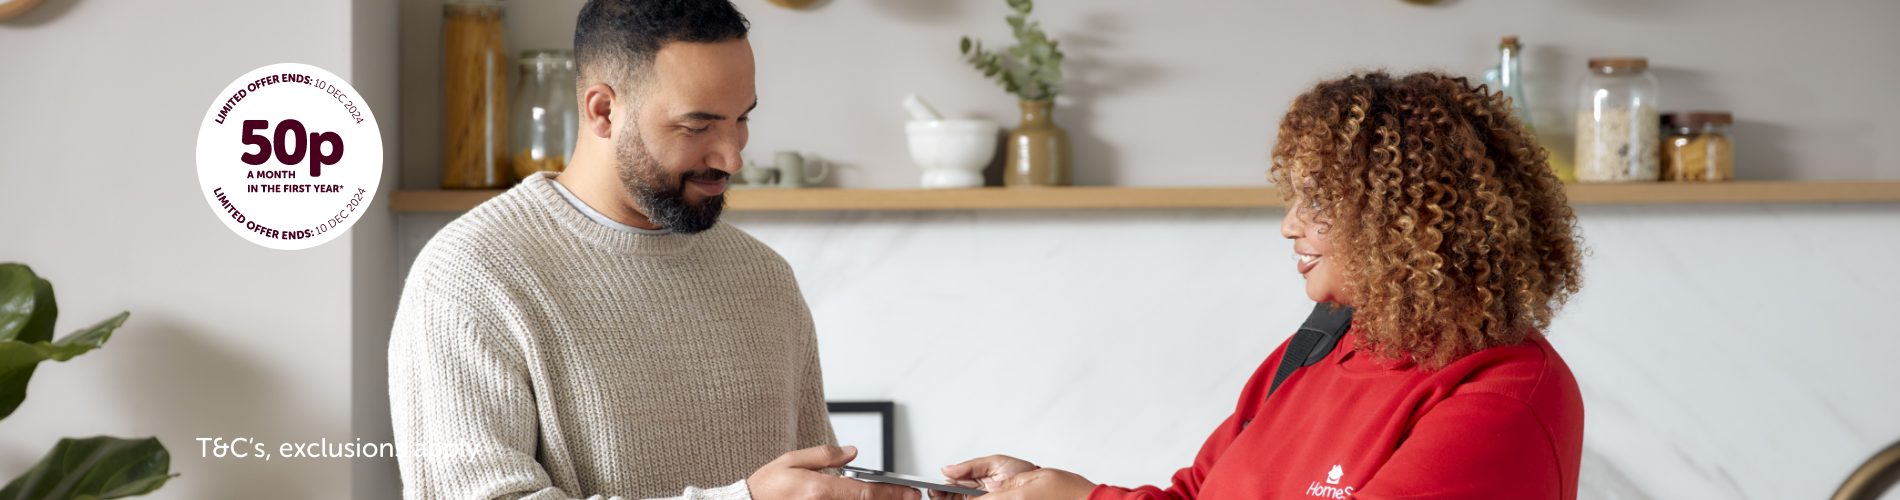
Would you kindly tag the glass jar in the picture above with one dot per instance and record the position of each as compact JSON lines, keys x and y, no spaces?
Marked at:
{"x":546,"y":116}
{"x":474,"y":133}
{"x":1699,"y":147}
{"x":1618,"y":129}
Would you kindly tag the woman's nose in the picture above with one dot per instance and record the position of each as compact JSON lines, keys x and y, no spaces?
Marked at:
{"x":1291,"y":226}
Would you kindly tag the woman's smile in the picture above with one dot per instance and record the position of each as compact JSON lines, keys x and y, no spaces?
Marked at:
{"x":1306,"y":261}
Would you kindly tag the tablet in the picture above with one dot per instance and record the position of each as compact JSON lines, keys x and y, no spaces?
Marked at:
{"x":863,"y":474}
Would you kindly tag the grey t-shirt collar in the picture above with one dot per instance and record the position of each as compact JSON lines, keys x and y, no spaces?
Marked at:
{"x":599,"y":217}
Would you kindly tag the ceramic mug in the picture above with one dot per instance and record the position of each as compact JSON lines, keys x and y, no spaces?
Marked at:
{"x":791,"y":169}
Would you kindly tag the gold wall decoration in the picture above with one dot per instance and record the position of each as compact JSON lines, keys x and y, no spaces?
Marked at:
{"x":10,"y":9}
{"x":793,"y":4}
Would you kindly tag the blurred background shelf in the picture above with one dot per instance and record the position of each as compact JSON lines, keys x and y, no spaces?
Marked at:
{"x":1194,"y":197}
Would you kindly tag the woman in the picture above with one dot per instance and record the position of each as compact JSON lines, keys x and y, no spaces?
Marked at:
{"x":1420,"y":203}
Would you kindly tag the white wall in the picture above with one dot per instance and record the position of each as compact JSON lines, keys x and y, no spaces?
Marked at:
{"x":375,"y":284}
{"x":1188,"y":93}
{"x":99,"y":105}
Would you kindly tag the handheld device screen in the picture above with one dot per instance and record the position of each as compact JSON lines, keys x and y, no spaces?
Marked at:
{"x":863,"y":474}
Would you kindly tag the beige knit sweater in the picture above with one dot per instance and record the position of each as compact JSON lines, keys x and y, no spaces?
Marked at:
{"x":538,"y":354}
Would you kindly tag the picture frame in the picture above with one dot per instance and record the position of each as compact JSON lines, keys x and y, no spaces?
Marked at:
{"x":859,"y":423}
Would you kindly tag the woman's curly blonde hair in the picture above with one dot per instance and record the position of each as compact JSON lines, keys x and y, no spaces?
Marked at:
{"x":1453,"y":234}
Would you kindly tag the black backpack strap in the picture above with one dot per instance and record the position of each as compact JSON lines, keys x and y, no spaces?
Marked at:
{"x":1314,"y":341}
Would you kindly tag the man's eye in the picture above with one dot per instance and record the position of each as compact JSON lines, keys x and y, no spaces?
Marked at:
{"x":697,"y":130}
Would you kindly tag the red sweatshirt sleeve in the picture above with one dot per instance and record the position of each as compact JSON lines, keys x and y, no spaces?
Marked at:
{"x":1471,"y":446}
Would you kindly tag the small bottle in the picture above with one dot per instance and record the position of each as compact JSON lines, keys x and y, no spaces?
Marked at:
{"x":1508,"y":77}
{"x":1699,"y":147}
{"x":475,"y":98}
{"x":1619,"y":131}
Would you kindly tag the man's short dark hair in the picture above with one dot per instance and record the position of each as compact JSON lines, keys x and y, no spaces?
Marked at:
{"x":615,"y":40}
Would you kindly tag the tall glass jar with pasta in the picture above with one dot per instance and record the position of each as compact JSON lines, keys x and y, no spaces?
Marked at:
{"x":1619,"y":130}
{"x":546,"y":116}
{"x":474,"y":77}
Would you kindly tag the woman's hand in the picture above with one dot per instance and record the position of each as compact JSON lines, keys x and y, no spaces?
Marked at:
{"x":987,"y":474}
{"x":1043,"y":484}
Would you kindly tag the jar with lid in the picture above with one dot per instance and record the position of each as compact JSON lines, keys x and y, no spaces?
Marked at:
{"x":1618,"y":129}
{"x":546,"y":116}
{"x":474,"y":79}
{"x":1698,"y":147}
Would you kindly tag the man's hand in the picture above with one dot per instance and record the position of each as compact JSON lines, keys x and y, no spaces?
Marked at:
{"x":1043,"y":484}
{"x":795,"y":476}
{"x":987,"y":474}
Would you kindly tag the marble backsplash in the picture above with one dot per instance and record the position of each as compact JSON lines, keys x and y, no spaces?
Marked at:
{"x":1724,"y":351}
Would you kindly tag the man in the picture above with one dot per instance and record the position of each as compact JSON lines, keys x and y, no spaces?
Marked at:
{"x":599,"y":334}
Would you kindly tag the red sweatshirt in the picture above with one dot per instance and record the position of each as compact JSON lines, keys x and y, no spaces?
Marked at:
{"x":1506,"y":422}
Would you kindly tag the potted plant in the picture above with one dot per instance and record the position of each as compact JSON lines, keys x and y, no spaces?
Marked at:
{"x":95,"y":468}
{"x":1038,"y":153}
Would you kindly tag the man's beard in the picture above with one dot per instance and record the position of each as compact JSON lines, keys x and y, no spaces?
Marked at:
{"x":665,"y":202}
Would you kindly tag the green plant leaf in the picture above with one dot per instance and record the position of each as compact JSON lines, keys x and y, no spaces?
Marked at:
{"x":27,"y":307}
{"x":18,"y":359}
{"x":1030,"y":69}
{"x":101,"y":467}
{"x":1052,"y":75}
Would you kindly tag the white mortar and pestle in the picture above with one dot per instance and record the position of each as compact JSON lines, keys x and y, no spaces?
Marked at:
{"x":952,"y":152}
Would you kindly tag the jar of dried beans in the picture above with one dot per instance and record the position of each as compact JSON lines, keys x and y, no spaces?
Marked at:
{"x":1618,"y":129}
{"x":475,"y":98}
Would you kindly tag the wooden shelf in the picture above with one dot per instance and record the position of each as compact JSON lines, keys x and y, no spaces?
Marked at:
{"x":1202,"y":197}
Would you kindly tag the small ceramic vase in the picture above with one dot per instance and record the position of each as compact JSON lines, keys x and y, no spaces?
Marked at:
{"x":1038,"y":150}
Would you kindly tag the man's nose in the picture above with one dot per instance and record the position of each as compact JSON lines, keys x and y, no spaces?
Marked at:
{"x":724,"y":155}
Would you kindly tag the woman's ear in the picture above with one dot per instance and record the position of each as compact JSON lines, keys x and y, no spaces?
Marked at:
{"x":597,"y":110}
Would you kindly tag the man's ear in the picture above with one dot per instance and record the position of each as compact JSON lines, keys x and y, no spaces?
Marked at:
{"x":597,"y":110}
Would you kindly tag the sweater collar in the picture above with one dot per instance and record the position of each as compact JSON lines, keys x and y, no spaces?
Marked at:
{"x":540,"y":188}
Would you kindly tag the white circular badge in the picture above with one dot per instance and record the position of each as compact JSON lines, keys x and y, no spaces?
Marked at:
{"x":289,"y":156}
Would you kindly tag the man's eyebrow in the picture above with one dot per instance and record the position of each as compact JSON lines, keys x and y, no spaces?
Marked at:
{"x":702,"y":116}
{"x":713,"y":117}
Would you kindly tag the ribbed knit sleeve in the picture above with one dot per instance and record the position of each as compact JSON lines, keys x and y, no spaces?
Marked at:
{"x":814,"y":422}
{"x":464,"y":412}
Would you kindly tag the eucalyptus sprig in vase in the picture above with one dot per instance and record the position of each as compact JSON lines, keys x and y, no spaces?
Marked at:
{"x":1038,"y":149}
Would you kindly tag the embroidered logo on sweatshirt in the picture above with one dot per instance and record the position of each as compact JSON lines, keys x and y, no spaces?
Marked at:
{"x":1334,"y":492}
